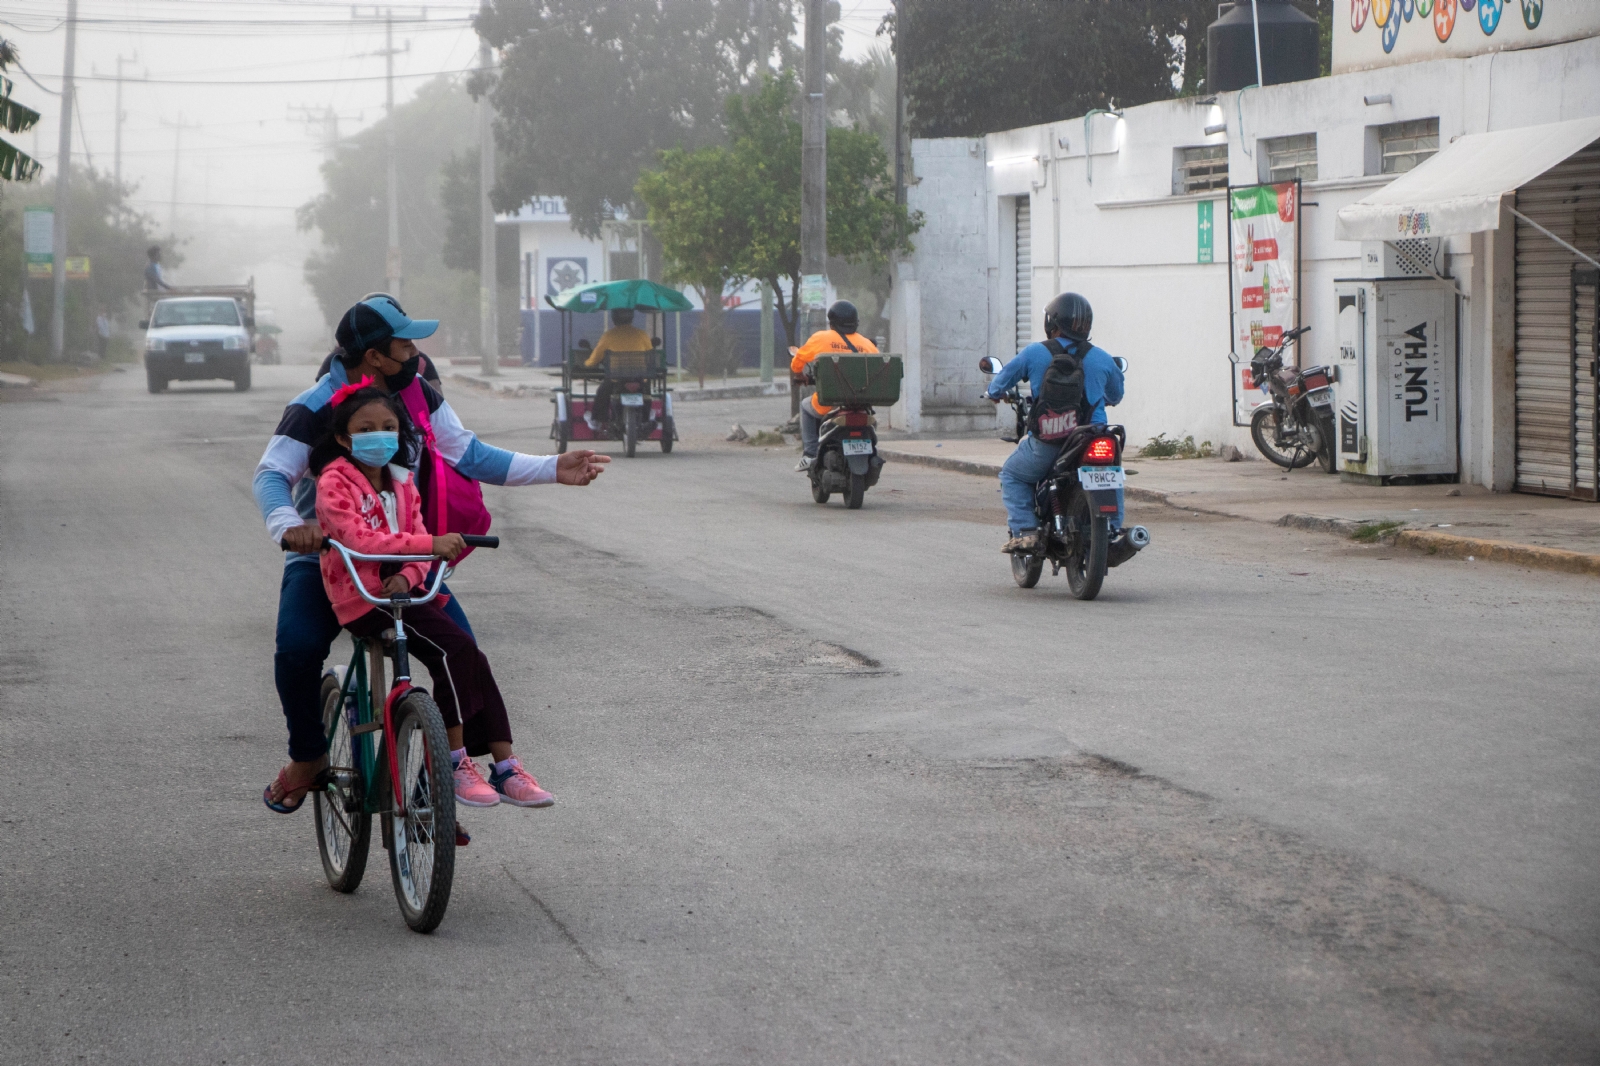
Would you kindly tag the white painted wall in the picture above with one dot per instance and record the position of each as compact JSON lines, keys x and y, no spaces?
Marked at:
{"x":1106,"y":224}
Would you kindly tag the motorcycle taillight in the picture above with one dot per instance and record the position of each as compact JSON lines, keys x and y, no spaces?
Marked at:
{"x":857,"y":418}
{"x":1101,"y":450}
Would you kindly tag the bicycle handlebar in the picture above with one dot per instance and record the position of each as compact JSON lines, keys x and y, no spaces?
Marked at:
{"x":350,"y":556}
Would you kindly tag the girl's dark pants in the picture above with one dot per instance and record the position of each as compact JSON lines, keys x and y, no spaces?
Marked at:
{"x":306,"y":631}
{"x":463,"y":684}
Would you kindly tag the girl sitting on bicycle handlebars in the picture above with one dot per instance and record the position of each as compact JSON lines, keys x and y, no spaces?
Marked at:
{"x":370,"y":505}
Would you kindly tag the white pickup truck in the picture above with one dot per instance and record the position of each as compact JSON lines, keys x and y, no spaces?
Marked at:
{"x":199,"y":334}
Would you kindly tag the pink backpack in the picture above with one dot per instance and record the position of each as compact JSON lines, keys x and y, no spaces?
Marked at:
{"x":454,"y":503}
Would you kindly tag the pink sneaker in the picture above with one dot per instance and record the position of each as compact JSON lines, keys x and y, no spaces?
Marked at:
{"x":471,"y":788}
{"x":517,"y":787}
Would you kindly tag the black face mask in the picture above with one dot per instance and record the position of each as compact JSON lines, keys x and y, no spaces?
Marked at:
{"x":408,"y":374}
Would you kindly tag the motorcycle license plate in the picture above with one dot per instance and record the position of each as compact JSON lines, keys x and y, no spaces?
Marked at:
{"x":631,"y":399}
{"x":1099,"y":478}
{"x":856,"y":447}
{"x":1321,"y":397}
{"x":194,"y":357}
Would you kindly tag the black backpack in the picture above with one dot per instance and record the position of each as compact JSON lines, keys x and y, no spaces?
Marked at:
{"x":1057,"y":407}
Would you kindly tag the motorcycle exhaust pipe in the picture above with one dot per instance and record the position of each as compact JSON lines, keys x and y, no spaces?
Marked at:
{"x":1139,"y":537}
{"x":1127,"y":545}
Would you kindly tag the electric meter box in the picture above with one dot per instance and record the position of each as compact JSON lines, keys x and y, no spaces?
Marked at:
{"x":1395,"y":392}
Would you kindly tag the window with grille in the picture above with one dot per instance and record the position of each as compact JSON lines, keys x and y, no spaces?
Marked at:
{"x":1405,"y":144}
{"x":1200,"y":168}
{"x":1288,"y":158}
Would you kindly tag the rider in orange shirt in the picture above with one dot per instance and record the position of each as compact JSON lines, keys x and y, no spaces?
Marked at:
{"x":840,"y":336}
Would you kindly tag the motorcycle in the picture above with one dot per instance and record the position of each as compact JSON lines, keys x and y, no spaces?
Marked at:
{"x":1296,"y":425}
{"x":1075,"y":503}
{"x":847,"y":451}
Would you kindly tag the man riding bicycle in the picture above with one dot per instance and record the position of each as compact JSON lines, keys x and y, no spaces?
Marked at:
{"x":376,"y":341}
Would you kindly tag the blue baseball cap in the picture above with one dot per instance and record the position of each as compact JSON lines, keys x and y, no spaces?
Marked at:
{"x":375,"y":320}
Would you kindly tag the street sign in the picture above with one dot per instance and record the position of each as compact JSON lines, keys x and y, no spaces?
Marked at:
{"x":1204,"y":227}
{"x":77,"y":268}
{"x":813,"y":292}
{"x":38,"y":240}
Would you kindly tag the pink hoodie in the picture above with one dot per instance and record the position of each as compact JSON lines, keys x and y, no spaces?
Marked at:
{"x":351,"y":512}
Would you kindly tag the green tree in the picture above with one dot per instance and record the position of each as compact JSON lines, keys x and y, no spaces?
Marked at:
{"x":590,"y":91}
{"x":865,"y":223}
{"x":15,"y":164}
{"x":100,"y":225}
{"x":1022,"y":62}
{"x":699,"y":211}
{"x":351,"y":214}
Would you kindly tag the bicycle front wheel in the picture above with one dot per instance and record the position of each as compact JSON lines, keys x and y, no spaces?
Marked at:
{"x":422,"y":843}
{"x":344,"y":828}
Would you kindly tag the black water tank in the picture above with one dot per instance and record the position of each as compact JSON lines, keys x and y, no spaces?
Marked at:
{"x":1288,"y":46}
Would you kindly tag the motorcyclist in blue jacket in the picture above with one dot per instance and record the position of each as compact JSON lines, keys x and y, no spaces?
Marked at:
{"x":1070,"y":317}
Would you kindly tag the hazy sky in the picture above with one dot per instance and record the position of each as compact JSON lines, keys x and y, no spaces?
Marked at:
{"x":238,"y":74}
{"x":241,"y":77}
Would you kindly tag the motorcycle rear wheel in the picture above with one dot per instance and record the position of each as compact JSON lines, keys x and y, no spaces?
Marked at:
{"x":856,"y":492}
{"x":1327,"y":444}
{"x":1264,"y":431}
{"x":1086,"y":565}
{"x":1025,"y":569}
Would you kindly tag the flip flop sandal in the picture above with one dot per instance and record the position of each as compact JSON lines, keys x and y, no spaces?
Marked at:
{"x":280,"y":807}
{"x":463,"y":838}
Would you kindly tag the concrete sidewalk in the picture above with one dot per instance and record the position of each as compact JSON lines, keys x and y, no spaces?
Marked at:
{"x":531,"y":382}
{"x":1456,"y":520}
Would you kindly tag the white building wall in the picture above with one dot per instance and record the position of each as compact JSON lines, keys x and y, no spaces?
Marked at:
{"x":951,"y":275}
{"x":1106,"y":224}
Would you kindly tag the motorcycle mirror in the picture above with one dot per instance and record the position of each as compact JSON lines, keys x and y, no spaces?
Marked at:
{"x":990,"y":365}
{"x":1122,"y":364}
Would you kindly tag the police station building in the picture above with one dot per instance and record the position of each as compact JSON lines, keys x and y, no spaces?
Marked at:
{"x":1431,"y":210}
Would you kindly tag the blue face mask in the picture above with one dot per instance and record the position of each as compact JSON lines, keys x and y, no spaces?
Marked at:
{"x":376,"y":448}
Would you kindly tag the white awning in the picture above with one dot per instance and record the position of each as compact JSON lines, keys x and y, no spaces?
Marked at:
{"x":1458,"y":190}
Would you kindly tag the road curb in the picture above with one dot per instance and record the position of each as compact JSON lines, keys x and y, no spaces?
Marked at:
{"x":539,"y":392}
{"x":1499,"y":551}
{"x":1423,"y":540}
{"x":16,"y":381}
{"x":966,"y":466}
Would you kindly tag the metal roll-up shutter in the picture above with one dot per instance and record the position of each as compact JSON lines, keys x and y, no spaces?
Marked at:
{"x":1024,"y":272}
{"x":1586,"y":382}
{"x":1555,"y":380}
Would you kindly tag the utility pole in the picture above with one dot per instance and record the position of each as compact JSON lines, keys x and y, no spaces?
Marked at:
{"x":177,"y":143}
{"x":488,"y":283}
{"x":121,"y":114}
{"x":901,"y":23}
{"x":391,"y":270}
{"x":323,"y":122}
{"x":58,"y":244}
{"x":813,"y":181}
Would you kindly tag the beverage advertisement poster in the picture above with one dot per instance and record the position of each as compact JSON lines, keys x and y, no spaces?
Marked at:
{"x":1264,"y":279}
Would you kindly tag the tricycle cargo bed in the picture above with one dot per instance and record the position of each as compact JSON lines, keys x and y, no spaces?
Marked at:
{"x":872,"y":380}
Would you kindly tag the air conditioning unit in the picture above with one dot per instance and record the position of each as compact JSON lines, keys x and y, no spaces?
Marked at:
{"x":1413,"y":257}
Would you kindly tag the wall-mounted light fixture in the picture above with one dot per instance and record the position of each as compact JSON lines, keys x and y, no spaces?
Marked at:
{"x":1374,"y":101}
{"x":1221,"y":127}
{"x":1061,"y":143}
{"x":1088,"y":145}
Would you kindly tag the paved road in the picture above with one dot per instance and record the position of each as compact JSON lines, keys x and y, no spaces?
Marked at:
{"x":831,"y":789}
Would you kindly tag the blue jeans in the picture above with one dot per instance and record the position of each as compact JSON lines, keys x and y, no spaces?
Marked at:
{"x":810,"y":428}
{"x":306,"y":631}
{"x":1022,"y":472}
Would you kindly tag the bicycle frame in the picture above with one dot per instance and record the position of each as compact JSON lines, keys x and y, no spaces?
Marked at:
{"x":357,"y":680}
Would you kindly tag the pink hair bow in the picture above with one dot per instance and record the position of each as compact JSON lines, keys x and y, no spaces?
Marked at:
{"x":344,"y":392}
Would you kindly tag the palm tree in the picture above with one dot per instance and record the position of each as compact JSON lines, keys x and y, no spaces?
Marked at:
{"x":15,"y":164}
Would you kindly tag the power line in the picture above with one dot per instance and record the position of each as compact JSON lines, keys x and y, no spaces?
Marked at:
{"x":277,"y":81}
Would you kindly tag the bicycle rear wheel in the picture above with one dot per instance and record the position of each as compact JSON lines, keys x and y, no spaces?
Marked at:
{"x":344,"y":829}
{"x":422,"y":844}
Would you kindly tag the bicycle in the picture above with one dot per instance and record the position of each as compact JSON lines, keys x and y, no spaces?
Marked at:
{"x":405,"y":779}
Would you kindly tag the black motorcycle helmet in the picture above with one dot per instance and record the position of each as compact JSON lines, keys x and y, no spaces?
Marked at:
{"x":843,"y":317}
{"x":1071,"y":314}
